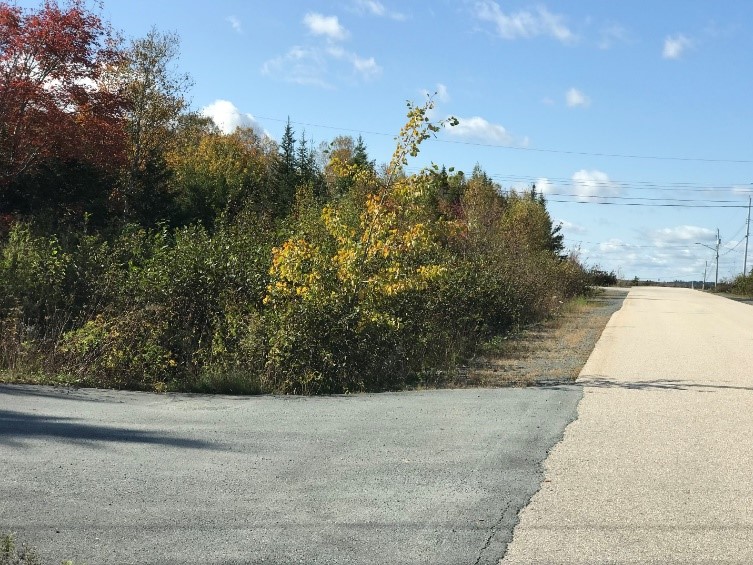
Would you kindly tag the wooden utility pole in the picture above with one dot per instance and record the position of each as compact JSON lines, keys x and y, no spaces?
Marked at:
{"x":747,"y":235}
{"x":718,"y":243}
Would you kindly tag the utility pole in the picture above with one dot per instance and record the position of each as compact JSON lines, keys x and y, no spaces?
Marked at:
{"x":716,"y":250}
{"x":705,"y":268}
{"x":718,"y":243}
{"x":747,"y":235}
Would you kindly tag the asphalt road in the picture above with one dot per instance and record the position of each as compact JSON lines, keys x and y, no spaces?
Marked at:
{"x":658,"y":467}
{"x":434,"y":477}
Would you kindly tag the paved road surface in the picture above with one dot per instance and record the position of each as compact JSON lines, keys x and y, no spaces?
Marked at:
{"x":414,"y":478}
{"x":658,"y":467}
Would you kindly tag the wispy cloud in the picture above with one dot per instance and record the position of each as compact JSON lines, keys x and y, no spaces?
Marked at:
{"x":569,"y":227}
{"x":440,"y":93}
{"x":544,"y":185}
{"x":675,"y":46}
{"x":365,"y":67}
{"x":300,"y":65}
{"x":614,"y":245}
{"x":611,"y":35}
{"x":742,"y":189}
{"x":376,"y":8}
{"x":320,"y":65}
{"x":575,"y":98}
{"x":235,"y":23}
{"x":681,"y":235}
{"x":590,"y":184}
{"x":525,"y":23}
{"x":479,"y":129}
{"x":312,"y":66}
{"x":328,"y":26}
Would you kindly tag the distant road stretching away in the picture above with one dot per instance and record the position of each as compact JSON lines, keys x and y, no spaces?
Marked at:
{"x":658,"y":466}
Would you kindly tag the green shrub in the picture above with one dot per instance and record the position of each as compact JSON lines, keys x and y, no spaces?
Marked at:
{"x":11,"y":554}
{"x":743,"y":285}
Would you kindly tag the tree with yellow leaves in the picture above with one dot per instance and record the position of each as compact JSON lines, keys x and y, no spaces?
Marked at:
{"x":337,"y":289}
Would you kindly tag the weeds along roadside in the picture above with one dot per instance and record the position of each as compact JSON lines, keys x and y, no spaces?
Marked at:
{"x":366,"y":280}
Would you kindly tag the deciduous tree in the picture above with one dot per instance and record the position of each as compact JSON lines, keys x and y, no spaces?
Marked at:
{"x":54,"y":101}
{"x":155,"y":90}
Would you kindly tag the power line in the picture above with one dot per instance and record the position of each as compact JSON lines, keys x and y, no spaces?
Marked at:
{"x":660,"y":199}
{"x":632,"y":246}
{"x":644,"y":204}
{"x":731,"y":249}
{"x":622,"y":185}
{"x":627,"y":185}
{"x":589,"y":154}
{"x":529,"y":149}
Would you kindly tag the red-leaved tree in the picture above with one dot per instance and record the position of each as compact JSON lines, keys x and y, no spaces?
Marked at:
{"x":55,"y":102}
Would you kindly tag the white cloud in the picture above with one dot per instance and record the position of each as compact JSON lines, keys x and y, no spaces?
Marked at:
{"x":524,"y":24}
{"x":612,"y":34}
{"x":376,"y":8}
{"x":442,"y":94}
{"x":569,"y":227}
{"x":228,"y":118}
{"x":479,"y":129}
{"x":682,"y":235}
{"x":235,"y":23}
{"x":742,"y":189}
{"x":328,"y":26}
{"x":367,"y":68}
{"x":613,"y":245}
{"x":311,"y":65}
{"x":675,"y":46}
{"x":575,"y":98}
{"x":319,"y":65}
{"x":588,"y":185}
{"x":544,"y":185}
{"x":300,"y":65}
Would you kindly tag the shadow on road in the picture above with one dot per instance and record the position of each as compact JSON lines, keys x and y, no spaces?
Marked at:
{"x":17,"y":426}
{"x":61,"y":392}
{"x":656,"y":384}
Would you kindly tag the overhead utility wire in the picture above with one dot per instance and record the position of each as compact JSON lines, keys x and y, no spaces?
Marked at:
{"x":731,"y":249}
{"x":627,"y":185}
{"x":630,"y":245}
{"x":630,"y":185}
{"x":533,"y":149}
{"x":645,"y":204}
{"x":640,"y":198}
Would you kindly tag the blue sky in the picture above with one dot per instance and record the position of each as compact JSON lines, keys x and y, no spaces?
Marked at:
{"x":634,"y":102}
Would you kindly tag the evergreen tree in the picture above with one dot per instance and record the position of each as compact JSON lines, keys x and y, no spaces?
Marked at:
{"x":287,"y":172}
{"x":304,"y":164}
{"x":361,"y":156}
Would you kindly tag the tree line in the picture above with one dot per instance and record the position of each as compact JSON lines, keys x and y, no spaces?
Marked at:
{"x":140,"y":247}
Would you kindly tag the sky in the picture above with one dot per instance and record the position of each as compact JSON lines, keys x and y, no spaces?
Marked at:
{"x":634,"y":118}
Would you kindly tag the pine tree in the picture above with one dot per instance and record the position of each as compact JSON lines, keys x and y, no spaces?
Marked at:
{"x":361,"y":156}
{"x":287,"y":172}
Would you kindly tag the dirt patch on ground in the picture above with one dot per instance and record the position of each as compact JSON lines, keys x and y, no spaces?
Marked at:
{"x":552,"y":352}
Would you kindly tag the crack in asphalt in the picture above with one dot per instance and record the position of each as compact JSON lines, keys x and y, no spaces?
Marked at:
{"x":493,"y":530}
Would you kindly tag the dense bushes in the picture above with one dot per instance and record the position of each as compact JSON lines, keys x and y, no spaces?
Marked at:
{"x":742,"y":285}
{"x":367,"y":281}
{"x":141,"y":248}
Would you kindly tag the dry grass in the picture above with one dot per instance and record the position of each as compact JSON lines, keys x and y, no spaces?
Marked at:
{"x":554,"y":351}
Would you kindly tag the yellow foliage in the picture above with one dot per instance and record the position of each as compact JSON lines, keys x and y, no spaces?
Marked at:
{"x":392,"y":246}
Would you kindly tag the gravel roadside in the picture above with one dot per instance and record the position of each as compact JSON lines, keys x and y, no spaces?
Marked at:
{"x":549,"y":353}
